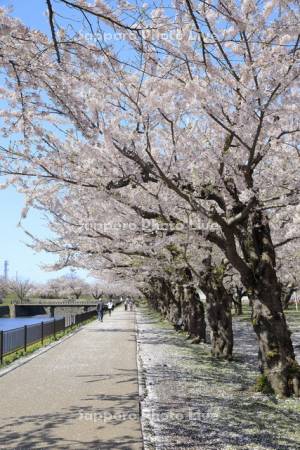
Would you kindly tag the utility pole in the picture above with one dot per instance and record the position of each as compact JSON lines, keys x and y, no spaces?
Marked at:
{"x":5,"y":270}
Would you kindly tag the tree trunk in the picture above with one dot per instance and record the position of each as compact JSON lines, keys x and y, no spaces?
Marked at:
{"x":184,"y":307}
{"x":276,"y":351}
{"x":196,"y":325}
{"x":164,"y":297}
{"x":218,"y":310}
{"x":237,"y":300}
{"x":160,"y":295}
{"x":286,"y":295}
{"x":192,"y":309}
{"x":238,"y":308}
{"x":220,"y":321}
{"x":175,"y":306}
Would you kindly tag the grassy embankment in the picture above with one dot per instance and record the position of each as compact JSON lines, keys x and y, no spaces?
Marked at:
{"x":10,"y":298}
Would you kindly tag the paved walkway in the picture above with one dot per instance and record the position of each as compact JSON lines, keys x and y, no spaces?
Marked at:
{"x":82,"y":394}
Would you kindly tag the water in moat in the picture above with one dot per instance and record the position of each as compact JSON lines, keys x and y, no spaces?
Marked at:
{"x":17,"y":322}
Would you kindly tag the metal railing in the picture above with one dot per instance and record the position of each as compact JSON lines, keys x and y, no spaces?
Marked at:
{"x":22,"y":337}
{"x":55,"y":302}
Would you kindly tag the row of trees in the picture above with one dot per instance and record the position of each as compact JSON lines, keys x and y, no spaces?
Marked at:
{"x":64,"y":287}
{"x":166,"y":161}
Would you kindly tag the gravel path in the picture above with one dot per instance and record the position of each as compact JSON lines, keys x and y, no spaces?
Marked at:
{"x":81,"y":394}
{"x":195,"y":402}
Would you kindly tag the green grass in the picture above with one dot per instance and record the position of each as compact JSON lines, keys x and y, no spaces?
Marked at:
{"x":262,"y":385}
{"x":10,"y":298}
{"x":8,"y":359}
{"x":291,"y":314}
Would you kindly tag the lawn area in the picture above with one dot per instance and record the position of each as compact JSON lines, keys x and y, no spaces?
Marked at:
{"x":8,"y":299}
{"x":292,"y":316}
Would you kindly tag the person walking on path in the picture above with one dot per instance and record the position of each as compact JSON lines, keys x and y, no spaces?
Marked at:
{"x":126,"y":304}
{"x":100,"y":310}
{"x":110,"y":306}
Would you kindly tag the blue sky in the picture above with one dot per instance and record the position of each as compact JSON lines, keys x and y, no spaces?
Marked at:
{"x":23,"y":260}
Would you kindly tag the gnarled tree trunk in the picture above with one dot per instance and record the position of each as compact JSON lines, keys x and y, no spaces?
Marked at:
{"x":276,"y":351}
{"x":219,"y":303}
{"x":192,"y":309}
{"x":237,"y":301}
{"x":218,"y":311}
{"x":286,"y":295}
{"x":196,"y":325}
{"x":161,"y":295}
{"x":177,"y":306}
{"x":220,"y":321}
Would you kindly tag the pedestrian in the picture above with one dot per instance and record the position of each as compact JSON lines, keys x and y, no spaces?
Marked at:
{"x":100,"y":310}
{"x":125,"y":304}
{"x":110,"y":307}
{"x":130,"y":305}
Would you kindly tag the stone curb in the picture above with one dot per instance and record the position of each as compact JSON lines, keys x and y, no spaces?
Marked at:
{"x":141,"y":380}
{"x":146,"y":434}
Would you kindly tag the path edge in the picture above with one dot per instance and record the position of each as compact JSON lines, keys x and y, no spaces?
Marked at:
{"x":142,"y":390}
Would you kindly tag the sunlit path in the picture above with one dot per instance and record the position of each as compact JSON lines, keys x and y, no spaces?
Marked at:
{"x":81,"y":394}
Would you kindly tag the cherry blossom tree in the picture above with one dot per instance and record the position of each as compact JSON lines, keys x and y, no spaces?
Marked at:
{"x":21,"y":288}
{"x":96,"y":291}
{"x":204,"y":122}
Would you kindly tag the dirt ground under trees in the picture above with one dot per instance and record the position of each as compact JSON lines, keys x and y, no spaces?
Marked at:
{"x":192,"y":401}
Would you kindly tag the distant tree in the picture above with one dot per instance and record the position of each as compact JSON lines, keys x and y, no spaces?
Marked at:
{"x":96,"y":291}
{"x":54,"y":288}
{"x":21,"y":288}
{"x":65,"y":286}
{"x":76,"y":287}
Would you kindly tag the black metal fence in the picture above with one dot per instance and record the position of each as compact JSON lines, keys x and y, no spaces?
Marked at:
{"x":21,"y":338}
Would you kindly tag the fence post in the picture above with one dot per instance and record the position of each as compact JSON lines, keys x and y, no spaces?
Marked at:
{"x":25,"y":338}
{"x":42,"y":332}
{"x":1,"y":346}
